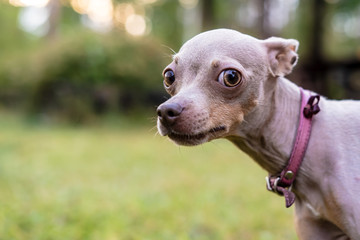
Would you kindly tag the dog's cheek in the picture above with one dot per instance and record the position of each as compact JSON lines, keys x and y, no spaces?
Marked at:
{"x":226,"y":115}
{"x":249,"y":105}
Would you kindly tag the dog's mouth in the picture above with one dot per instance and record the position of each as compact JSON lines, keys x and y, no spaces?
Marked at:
{"x":195,"y":139}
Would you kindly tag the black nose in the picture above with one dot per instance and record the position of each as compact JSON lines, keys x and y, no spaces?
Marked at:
{"x":169,"y":112}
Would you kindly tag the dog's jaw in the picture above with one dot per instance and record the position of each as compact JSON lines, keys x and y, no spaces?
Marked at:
{"x":192,"y":120}
{"x":191,"y":138}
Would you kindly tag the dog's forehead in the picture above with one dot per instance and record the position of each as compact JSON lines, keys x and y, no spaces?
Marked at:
{"x":220,"y":42}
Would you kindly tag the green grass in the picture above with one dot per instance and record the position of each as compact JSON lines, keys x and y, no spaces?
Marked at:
{"x":107,"y":182}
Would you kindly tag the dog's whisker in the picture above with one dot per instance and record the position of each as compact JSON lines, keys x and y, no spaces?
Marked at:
{"x":152,"y":119}
{"x":153,"y":128}
{"x":169,"y":48}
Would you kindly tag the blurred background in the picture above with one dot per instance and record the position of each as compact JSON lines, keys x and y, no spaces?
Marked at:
{"x":79,"y":84}
{"x":75,"y":59}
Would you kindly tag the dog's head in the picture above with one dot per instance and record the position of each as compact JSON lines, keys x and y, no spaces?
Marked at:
{"x":216,"y":79}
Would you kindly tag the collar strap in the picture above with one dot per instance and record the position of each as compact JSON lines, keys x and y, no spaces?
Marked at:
{"x":282,"y":183}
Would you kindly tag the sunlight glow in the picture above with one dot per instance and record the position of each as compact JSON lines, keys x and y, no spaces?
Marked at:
{"x":34,"y":20}
{"x":135,"y":25}
{"x":80,"y":6}
{"x":100,"y":15}
{"x":29,"y":3}
{"x":99,"y":12}
{"x":123,"y":11}
{"x":131,"y":18}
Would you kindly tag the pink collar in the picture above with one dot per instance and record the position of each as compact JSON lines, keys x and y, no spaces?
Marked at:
{"x":282,"y":183}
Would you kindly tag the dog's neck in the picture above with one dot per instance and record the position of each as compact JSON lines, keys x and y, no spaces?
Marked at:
{"x":267,"y":134}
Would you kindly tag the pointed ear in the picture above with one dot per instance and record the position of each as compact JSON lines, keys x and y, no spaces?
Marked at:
{"x":282,"y":55}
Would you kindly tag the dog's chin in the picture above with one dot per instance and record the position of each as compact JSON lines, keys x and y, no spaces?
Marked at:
{"x":193,"y":139}
{"x":188,"y":139}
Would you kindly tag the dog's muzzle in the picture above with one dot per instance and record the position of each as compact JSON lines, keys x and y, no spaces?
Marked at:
{"x":168,"y":113}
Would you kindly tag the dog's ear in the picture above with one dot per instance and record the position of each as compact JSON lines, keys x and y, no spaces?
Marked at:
{"x":282,"y":55}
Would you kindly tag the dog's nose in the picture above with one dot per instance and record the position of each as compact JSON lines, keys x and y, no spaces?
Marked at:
{"x":169,"y":112}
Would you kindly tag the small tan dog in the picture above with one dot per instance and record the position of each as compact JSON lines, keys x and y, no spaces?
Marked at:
{"x":225,"y":84}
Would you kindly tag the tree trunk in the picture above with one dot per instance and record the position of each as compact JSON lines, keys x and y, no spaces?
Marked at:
{"x":208,"y":14}
{"x":54,"y":7}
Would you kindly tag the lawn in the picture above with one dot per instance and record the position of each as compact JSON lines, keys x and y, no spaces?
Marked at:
{"x":113,"y":181}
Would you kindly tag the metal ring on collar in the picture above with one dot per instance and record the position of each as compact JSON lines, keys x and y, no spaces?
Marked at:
{"x":268,"y":185}
{"x":275,"y":186}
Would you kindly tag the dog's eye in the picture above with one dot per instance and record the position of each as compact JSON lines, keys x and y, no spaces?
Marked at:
{"x":169,"y":78}
{"x":230,"y":78}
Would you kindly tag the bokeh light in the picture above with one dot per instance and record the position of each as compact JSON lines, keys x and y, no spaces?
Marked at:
{"x":99,"y":12}
{"x":28,"y":3}
{"x":122,"y":12}
{"x":34,"y":20}
{"x":135,"y":25}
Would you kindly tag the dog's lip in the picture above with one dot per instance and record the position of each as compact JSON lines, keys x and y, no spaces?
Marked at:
{"x":198,"y":136}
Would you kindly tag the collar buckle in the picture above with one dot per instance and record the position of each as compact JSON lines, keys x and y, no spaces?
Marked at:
{"x":282,"y":184}
{"x":272,"y":186}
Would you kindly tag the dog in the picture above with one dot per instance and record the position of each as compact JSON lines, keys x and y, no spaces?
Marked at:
{"x":225,"y":84}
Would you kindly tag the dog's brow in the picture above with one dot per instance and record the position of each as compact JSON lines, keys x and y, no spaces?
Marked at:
{"x":176,"y":59}
{"x":215,"y":63}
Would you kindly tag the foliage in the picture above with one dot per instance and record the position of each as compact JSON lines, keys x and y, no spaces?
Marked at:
{"x":80,"y":73}
{"x":77,"y":76}
{"x":118,"y":183}
{"x":12,"y":38}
